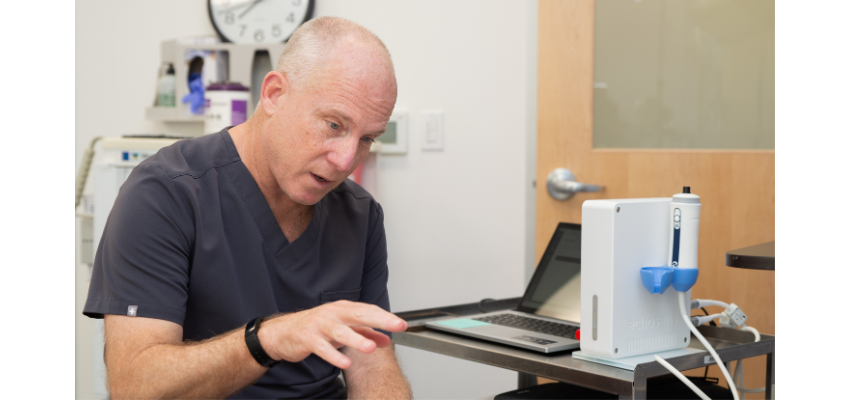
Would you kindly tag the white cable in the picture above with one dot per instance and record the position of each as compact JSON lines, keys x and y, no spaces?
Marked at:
{"x":739,"y":366}
{"x":682,"y":378}
{"x":740,"y":378}
{"x":753,"y":330}
{"x":686,"y":316}
{"x":699,"y":303}
{"x":741,"y":373}
{"x":702,"y":319}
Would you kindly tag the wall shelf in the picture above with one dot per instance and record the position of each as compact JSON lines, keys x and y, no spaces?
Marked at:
{"x":239,"y":66}
{"x":170,"y":114}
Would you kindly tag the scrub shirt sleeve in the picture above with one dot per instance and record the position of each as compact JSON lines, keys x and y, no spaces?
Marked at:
{"x":141,"y":267}
{"x":375,"y":272}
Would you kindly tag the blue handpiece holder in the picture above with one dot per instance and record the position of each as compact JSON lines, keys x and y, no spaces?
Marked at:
{"x":658,"y":279}
{"x":684,"y":278}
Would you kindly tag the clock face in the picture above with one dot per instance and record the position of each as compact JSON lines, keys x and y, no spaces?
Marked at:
{"x":258,"y":21}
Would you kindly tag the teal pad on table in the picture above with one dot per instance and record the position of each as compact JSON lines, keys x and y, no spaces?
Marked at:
{"x":630,"y":363}
{"x":462,"y":323}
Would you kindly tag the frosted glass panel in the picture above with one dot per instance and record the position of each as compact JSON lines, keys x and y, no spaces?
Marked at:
{"x":695,"y":74}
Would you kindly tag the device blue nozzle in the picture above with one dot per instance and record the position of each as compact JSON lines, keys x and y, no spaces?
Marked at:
{"x":656,"y":279}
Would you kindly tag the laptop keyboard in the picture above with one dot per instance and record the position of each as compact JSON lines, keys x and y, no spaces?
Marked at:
{"x":532,"y":324}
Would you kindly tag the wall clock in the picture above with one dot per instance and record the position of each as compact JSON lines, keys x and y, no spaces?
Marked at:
{"x":258,"y":21}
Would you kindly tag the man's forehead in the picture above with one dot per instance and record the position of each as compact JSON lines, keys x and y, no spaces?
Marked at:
{"x":341,"y":92}
{"x":379,"y":122}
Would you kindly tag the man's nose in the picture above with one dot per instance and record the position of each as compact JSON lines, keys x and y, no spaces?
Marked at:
{"x":345,"y":153}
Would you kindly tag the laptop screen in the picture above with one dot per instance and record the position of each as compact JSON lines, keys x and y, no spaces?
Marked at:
{"x":555,"y":289}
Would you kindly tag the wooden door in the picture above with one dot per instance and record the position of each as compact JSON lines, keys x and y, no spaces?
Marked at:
{"x":736,"y":186}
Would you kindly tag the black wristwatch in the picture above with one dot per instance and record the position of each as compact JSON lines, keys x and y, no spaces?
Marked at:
{"x":254,"y":346}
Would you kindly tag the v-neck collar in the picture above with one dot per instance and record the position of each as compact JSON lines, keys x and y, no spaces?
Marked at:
{"x":287,"y":254}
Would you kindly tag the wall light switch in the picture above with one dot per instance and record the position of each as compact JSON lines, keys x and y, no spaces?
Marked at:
{"x":432,"y":130}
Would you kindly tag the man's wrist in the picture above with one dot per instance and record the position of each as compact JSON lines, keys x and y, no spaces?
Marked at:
{"x":255,"y":347}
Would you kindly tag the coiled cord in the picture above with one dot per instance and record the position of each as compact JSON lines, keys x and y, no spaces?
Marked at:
{"x":83,"y":173}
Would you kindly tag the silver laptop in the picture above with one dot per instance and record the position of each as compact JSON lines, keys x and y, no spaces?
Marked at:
{"x":547,"y":318}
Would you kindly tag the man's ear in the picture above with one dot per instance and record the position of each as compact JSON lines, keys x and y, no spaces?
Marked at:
{"x":275,"y":86}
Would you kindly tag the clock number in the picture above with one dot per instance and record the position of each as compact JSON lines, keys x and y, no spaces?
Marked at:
{"x":229,"y":18}
{"x":276,"y":30}
{"x":242,"y":32}
{"x":291,"y":17}
{"x":258,"y":35}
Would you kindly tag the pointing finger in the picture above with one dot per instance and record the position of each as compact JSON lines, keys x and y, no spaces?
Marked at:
{"x":367,"y":315}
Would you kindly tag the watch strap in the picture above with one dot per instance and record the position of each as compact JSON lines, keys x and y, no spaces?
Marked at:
{"x":253,"y":342}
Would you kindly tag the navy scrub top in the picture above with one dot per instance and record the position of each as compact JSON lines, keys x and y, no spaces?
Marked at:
{"x":192,"y":240}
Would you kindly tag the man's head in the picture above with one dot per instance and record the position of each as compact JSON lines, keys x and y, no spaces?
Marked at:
{"x":331,"y":95}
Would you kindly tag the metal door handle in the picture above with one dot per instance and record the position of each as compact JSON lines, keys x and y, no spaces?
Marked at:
{"x":562,"y":185}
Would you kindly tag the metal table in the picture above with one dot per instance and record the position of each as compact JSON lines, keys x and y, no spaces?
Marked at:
{"x":730,"y":345}
{"x":760,"y":256}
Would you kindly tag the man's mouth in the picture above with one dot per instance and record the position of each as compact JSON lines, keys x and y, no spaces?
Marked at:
{"x":320,"y":178}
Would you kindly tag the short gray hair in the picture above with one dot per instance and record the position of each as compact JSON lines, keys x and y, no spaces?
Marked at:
{"x":313,"y":42}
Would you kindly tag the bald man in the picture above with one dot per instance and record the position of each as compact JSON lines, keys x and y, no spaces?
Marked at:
{"x":243,"y":263}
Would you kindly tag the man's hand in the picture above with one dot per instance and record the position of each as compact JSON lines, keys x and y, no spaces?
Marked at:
{"x":324,"y":329}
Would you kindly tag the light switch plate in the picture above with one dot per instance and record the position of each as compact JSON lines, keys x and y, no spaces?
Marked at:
{"x":432,"y":130}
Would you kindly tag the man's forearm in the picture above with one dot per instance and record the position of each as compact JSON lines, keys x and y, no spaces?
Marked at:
{"x":146,"y":359}
{"x":214,"y":368}
{"x":379,"y":378}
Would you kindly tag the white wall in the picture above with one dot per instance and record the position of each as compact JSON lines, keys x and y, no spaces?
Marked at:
{"x":459,"y":222}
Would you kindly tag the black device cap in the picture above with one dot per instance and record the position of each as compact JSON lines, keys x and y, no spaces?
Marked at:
{"x":686,"y":189}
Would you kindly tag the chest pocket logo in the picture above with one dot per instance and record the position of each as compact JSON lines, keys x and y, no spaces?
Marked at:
{"x":329,"y":297}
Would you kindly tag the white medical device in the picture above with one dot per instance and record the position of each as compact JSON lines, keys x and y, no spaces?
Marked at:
{"x":620,"y":318}
{"x":115,"y":160}
{"x":633,"y":251}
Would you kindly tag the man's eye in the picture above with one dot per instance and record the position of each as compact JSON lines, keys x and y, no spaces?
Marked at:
{"x":367,"y":139}
{"x":333,"y":125}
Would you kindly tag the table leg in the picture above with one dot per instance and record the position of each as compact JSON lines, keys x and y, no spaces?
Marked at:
{"x":525,"y":380}
{"x":770,"y":379}
{"x":639,"y":388}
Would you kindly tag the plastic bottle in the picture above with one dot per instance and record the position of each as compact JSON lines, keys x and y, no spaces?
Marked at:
{"x":226,"y":104}
{"x":165,"y":92}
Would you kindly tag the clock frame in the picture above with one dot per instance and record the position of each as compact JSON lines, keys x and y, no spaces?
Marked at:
{"x":258,"y":21}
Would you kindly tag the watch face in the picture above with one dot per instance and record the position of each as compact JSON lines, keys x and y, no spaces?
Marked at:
{"x":258,"y":21}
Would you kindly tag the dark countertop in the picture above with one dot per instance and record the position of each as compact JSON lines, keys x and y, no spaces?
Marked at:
{"x":760,"y":256}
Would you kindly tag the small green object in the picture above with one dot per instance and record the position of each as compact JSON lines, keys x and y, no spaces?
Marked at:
{"x":462,"y":323}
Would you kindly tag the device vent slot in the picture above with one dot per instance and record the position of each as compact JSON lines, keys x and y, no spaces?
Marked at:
{"x":647,"y":344}
{"x":595,"y":314}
